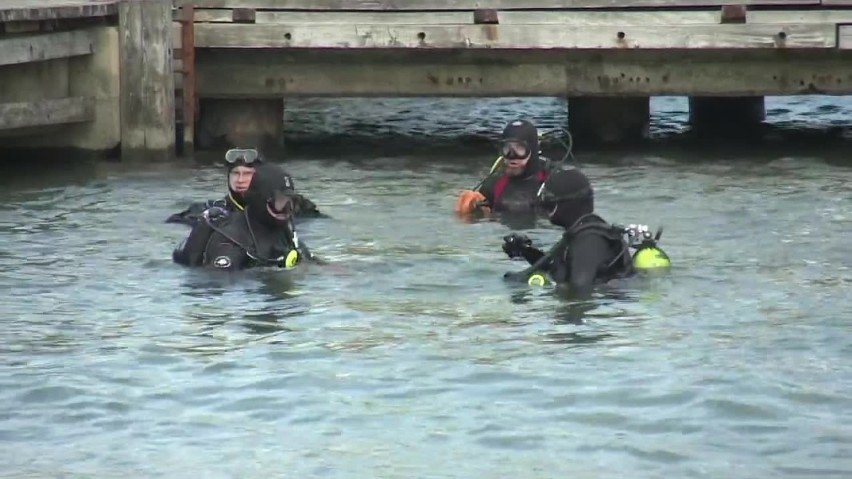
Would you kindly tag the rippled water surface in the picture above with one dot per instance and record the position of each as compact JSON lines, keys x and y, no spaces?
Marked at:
{"x":410,"y":357}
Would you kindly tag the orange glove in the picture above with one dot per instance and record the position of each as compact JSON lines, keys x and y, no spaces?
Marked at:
{"x":466,"y":202}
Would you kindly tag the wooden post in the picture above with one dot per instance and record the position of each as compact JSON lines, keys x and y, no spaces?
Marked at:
{"x":188,"y":51}
{"x":147,"y":79}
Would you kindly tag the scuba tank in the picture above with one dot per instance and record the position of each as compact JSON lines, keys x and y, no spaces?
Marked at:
{"x":648,"y":255}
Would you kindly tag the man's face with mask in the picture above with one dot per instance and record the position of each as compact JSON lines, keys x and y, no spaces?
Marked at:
{"x":517,"y":155}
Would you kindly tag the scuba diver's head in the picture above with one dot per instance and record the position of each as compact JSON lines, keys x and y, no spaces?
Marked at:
{"x":241,"y":163}
{"x":519,"y":147}
{"x":566,"y":196}
{"x":271,"y":197}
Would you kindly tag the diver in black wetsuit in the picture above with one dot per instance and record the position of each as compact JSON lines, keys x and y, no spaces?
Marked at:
{"x":260,"y":234}
{"x":241,"y":164}
{"x":590,"y":251}
{"x":525,"y":170}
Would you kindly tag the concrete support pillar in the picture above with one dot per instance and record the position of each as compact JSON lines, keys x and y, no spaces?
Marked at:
{"x":726,"y":115}
{"x":147,"y":79}
{"x":95,"y":76}
{"x":226,"y":123}
{"x":609,"y":120}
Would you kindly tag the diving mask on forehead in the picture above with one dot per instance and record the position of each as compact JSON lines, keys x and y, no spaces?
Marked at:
{"x":283,"y":201}
{"x":282,"y":204}
{"x":514,"y":150}
{"x":246,"y":156}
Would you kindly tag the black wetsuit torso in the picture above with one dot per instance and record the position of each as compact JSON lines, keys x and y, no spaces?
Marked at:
{"x":516,"y":193}
{"x":591,"y":251}
{"x":234,"y":241}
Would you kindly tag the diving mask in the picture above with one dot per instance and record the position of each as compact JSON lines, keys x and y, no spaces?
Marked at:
{"x":245,"y":156}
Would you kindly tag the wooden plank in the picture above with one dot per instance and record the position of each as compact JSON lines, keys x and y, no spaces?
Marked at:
{"x":46,"y":112}
{"x":177,"y":40}
{"x":265,"y":76}
{"x":537,"y":18}
{"x":213,"y":15}
{"x":844,"y":37}
{"x":829,"y":3}
{"x":48,"y":46}
{"x":514,"y":36}
{"x":28,"y":10}
{"x":147,"y":79}
{"x":437,"y":5}
{"x":21,"y":27}
{"x":189,"y":105}
{"x":506,"y":18}
{"x":803,"y":16}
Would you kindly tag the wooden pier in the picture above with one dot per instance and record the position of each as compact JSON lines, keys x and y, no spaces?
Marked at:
{"x":223,"y":69}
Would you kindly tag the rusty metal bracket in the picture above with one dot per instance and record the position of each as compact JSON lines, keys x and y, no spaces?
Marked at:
{"x":734,"y":14}
{"x":243,"y":15}
{"x":485,"y":16}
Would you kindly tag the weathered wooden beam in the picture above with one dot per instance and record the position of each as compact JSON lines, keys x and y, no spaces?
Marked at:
{"x":621,"y":75}
{"x":515,"y":36}
{"x":147,"y":79}
{"x":21,"y":27}
{"x":837,"y":2}
{"x":844,"y":37}
{"x":46,"y":112}
{"x":177,"y":33}
{"x":634,"y":17}
{"x":436,"y":5}
{"x":27,"y":10}
{"x":48,"y":46}
{"x":188,"y":65}
{"x":801,"y":16}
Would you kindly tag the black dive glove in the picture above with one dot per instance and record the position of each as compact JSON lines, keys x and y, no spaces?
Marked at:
{"x":514,"y":245}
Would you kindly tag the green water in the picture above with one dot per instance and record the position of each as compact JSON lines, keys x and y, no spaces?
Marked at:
{"x":411,"y":358}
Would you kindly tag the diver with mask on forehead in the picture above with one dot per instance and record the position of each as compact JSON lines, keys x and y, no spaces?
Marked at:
{"x":240,"y":164}
{"x":524,"y":171}
{"x":261,"y":233}
{"x":591,"y":250}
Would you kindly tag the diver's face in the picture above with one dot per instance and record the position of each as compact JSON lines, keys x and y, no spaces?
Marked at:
{"x":517,"y":155}
{"x":239,"y":178}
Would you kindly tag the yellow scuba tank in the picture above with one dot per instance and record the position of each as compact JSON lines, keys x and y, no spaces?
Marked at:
{"x":650,"y":257}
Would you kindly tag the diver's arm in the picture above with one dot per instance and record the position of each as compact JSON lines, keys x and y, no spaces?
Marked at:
{"x":532,"y":254}
{"x":191,"y":251}
{"x":544,"y":263}
{"x":306,"y":208}
{"x":191,"y":214}
{"x":519,"y":245}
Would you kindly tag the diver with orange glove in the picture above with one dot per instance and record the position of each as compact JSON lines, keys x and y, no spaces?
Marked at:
{"x":525,"y":170}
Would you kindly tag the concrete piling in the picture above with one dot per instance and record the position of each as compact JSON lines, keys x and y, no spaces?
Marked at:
{"x":101,"y":74}
{"x":147,"y":79}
